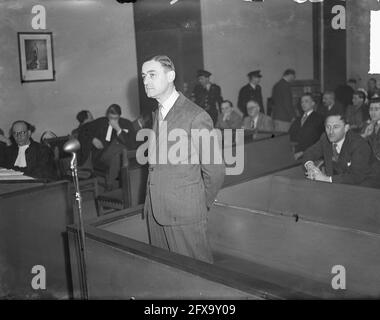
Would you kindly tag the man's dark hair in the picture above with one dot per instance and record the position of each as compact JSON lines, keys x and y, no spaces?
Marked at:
{"x":337,"y":114}
{"x":29,"y":126}
{"x":164,"y":60}
{"x":253,"y":100}
{"x":229,"y":102}
{"x":82,"y":116}
{"x":114,"y":109}
{"x":288,"y":72}
{"x":308,"y":95}
{"x":360,"y":94}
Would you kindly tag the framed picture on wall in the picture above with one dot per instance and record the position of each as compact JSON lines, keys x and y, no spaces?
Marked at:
{"x":36,"y":56}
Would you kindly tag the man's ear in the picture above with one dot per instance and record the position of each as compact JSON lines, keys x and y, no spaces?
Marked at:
{"x":346,"y":127}
{"x":171,"y":75}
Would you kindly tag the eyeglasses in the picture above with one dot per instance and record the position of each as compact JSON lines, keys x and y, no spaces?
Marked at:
{"x":374,"y":109}
{"x":20,"y":133}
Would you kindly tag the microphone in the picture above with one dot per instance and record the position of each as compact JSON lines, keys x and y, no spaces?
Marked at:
{"x":72,"y":146}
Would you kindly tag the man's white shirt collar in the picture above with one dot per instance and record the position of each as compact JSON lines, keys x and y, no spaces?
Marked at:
{"x":339,"y":145}
{"x":169,"y":103}
{"x":309,"y":113}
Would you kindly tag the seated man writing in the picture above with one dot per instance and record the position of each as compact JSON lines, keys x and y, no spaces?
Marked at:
{"x":346,"y":155}
{"x":28,"y":156}
{"x":105,"y":138}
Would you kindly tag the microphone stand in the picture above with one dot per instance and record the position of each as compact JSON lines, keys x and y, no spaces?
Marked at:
{"x":82,"y":248}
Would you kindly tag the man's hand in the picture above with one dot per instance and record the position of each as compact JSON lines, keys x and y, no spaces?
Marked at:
{"x":115,"y":125}
{"x":97,"y":143}
{"x":368,"y":130}
{"x":315,"y":173}
{"x":5,"y":140}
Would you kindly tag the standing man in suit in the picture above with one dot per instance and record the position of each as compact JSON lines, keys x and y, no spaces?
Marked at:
{"x":179,"y":195}
{"x":346,"y":155}
{"x":329,"y":105}
{"x":105,"y":138}
{"x":306,"y":130}
{"x":283,"y":112}
{"x":251,"y":91}
{"x":372,"y":135}
{"x":207,"y":95}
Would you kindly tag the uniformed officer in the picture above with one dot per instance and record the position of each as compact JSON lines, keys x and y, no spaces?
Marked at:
{"x":251,"y":91}
{"x":207,"y":95}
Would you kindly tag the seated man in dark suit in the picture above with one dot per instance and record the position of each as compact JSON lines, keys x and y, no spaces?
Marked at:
{"x":346,"y":155}
{"x":32,"y":158}
{"x":356,"y":113}
{"x":306,"y":130}
{"x":372,"y":135}
{"x":329,"y":105}
{"x":228,"y":118}
{"x":105,"y":138}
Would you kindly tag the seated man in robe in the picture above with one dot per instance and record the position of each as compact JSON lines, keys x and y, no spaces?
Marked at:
{"x":307,"y":129}
{"x":372,"y":135}
{"x":26,"y":155}
{"x":346,"y":155}
{"x":83,"y":117}
{"x":228,"y":118}
{"x":104,"y":139}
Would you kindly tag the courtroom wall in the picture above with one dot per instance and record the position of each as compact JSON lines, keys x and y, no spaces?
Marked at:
{"x":95,"y":62}
{"x":358,"y":39}
{"x":241,"y":36}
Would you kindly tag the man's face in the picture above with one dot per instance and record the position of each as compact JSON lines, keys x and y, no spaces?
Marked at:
{"x":357,"y":101}
{"x":335,"y":128}
{"x":113,"y":117}
{"x":307,"y":103}
{"x":255,"y":80}
{"x":291,"y":77}
{"x":226,"y":108}
{"x":374,"y":111}
{"x":21,"y":134}
{"x":328,"y":100}
{"x":253,"y":109}
{"x":203,"y":80}
{"x":156,"y":79}
{"x":371,"y":84}
{"x":89,"y":117}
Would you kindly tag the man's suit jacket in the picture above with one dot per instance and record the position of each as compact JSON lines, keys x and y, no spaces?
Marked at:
{"x":247,"y":93}
{"x":337,"y":108}
{"x":353,"y":164}
{"x":233,"y":123}
{"x":308,"y":134}
{"x":344,"y":95}
{"x":282,"y":98}
{"x":264,"y":123}
{"x":2,"y":154}
{"x":179,"y":194}
{"x":98,"y":129}
{"x":39,"y":160}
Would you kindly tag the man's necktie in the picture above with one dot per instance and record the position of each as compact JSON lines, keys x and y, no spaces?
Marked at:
{"x":303,"y":119}
{"x":252,"y":124}
{"x":335,"y":152}
{"x":160,"y":117}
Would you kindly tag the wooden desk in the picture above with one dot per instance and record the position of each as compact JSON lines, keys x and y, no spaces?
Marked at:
{"x":272,"y":237}
{"x":33,"y":220}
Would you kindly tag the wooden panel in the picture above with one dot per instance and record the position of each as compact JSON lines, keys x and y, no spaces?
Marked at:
{"x":262,"y":157}
{"x":32,"y":227}
{"x":306,"y":251}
